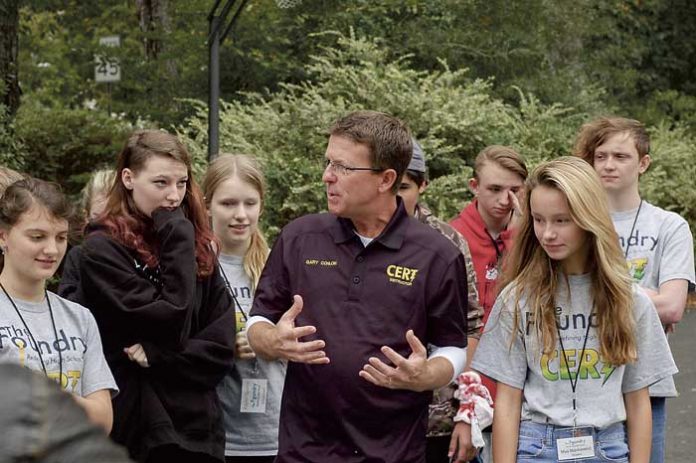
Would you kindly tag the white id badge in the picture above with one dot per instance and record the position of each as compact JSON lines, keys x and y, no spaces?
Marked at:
{"x":575,"y":448}
{"x":254,"y":394}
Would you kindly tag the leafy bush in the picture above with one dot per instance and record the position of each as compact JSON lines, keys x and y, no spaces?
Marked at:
{"x":669,"y":180}
{"x":66,"y":145}
{"x":12,"y":150}
{"x":451,"y":115}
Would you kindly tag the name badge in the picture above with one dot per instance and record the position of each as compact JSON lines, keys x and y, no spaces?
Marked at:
{"x":575,"y":448}
{"x":254,"y":395}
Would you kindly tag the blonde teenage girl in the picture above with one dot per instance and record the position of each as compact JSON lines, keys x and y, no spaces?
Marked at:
{"x":94,"y":196}
{"x":571,"y":342}
{"x":234,"y":189}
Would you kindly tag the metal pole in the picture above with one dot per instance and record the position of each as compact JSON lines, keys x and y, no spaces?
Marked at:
{"x":214,"y":93}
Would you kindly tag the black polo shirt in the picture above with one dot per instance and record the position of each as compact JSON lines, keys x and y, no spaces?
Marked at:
{"x":360,"y":298}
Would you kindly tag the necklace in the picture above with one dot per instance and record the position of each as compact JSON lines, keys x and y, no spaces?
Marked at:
{"x":31,"y":335}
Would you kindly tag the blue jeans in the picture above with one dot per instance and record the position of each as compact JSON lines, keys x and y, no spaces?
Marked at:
{"x":659,"y":418}
{"x":537,"y":442}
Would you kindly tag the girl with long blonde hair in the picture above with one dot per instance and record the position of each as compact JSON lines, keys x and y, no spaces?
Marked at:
{"x":572,"y":344}
{"x":234,"y":189}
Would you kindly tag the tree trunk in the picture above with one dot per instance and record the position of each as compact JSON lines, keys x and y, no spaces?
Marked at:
{"x":9,"y":47}
{"x":156,"y":23}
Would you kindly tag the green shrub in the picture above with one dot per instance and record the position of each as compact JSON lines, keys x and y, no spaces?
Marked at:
{"x":668,"y":181}
{"x":66,"y":145}
{"x":452,"y":116}
{"x":12,"y":150}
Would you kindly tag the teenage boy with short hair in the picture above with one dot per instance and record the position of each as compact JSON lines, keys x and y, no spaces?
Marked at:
{"x":487,"y":224}
{"x":658,"y":244}
{"x":442,"y":409}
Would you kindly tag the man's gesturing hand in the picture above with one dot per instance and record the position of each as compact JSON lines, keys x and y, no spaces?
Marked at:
{"x":407,"y":373}
{"x":286,"y":338}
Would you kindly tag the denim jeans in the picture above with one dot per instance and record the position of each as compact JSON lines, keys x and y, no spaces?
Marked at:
{"x":42,"y":424}
{"x":537,"y":442}
{"x":659,"y":418}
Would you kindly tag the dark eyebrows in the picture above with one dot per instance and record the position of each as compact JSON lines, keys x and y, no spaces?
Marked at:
{"x":612,"y":152}
{"x":39,"y":230}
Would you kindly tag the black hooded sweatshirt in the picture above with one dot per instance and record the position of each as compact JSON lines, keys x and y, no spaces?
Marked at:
{"x":186,"y":326}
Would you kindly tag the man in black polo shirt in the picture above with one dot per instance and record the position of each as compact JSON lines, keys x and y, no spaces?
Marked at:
{"x":352,"y":298}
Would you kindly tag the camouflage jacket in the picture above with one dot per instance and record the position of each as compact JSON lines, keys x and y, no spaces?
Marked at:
{"x":444,"y":406}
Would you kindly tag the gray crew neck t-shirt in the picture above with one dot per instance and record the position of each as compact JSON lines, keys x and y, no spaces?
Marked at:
{"x":660,"y":249}
{"x":248,"y":434}
{"x":544,"y":378}
{"x":75,"y":343}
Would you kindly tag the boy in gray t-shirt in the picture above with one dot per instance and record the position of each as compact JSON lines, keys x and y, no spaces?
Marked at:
{"x":659,"y":251}
{"x":658,"y":244}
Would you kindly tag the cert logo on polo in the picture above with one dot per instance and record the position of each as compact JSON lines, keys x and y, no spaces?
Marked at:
{"x":401,"y":275}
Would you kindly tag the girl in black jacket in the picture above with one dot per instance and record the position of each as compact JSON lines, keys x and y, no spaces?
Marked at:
{"x":147,"y":272}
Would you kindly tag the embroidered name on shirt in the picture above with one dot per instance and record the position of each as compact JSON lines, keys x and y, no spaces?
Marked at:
{"x":321,"y":262}
{"x":401,"y":275}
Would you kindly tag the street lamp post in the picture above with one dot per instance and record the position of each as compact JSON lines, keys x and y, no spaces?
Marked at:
{"x":215,"y":39}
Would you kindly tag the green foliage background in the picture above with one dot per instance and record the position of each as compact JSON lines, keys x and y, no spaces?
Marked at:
{"x":462,"y":73}
{"x":452,"y":115}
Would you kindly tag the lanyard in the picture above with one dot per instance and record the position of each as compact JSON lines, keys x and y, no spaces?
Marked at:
{"x":496,"y":242}
{"x":633,"y":227}
{"x":229,"y":288}
{"x":574,"y":384}
{"x":31,"y":335}
{"x":239,"y":306}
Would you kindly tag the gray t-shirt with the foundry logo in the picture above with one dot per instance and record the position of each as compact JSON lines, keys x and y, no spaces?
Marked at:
{"x":72,"y":351}
{"x":658,"y":248}
{"x":545,"y":378}
{"x":249,"y":431}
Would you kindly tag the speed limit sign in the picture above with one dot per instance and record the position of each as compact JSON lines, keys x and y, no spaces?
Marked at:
{"x":107,"y":68}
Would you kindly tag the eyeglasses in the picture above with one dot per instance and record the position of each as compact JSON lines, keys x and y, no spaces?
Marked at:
{"x":340,"y":169}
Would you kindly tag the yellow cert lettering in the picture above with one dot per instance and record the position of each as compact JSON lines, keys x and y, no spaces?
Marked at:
{"x":546,"y":360}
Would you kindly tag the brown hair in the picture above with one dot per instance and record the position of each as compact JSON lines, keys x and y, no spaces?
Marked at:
{"x":387,"y":137}
{"x":21,"y":195}
{"x":248,"y":170}
{"x":504,"y":156}
{"x":127,"y":225}
{"x":595,"y":133}
{"x":535,"y":275}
